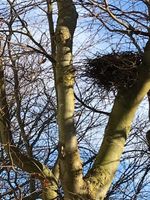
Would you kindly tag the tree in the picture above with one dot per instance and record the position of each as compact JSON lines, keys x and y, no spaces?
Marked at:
{"x":67,"y":173}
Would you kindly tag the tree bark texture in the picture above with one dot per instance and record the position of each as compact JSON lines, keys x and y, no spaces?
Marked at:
{"x":117,"y":130}
{"x":70,"y":163}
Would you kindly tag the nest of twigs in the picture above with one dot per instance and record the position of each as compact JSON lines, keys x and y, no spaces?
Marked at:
{"x":115,"y":70}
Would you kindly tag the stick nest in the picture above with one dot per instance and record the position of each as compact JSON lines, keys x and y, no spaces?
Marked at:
{"x":114,"y":71}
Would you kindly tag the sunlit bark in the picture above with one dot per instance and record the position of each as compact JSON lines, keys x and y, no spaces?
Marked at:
{"x":70,"y":164}
{"x":117,"y":130}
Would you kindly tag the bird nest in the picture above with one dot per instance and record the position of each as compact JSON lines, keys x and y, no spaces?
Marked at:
{"x":114,"y":71}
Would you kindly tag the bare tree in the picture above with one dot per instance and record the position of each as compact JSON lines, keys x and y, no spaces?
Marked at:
{"x":33,"y":113}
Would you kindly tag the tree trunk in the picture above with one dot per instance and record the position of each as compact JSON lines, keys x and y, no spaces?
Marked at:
{"x":70,"y":164}
{"x":117,"y":130}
